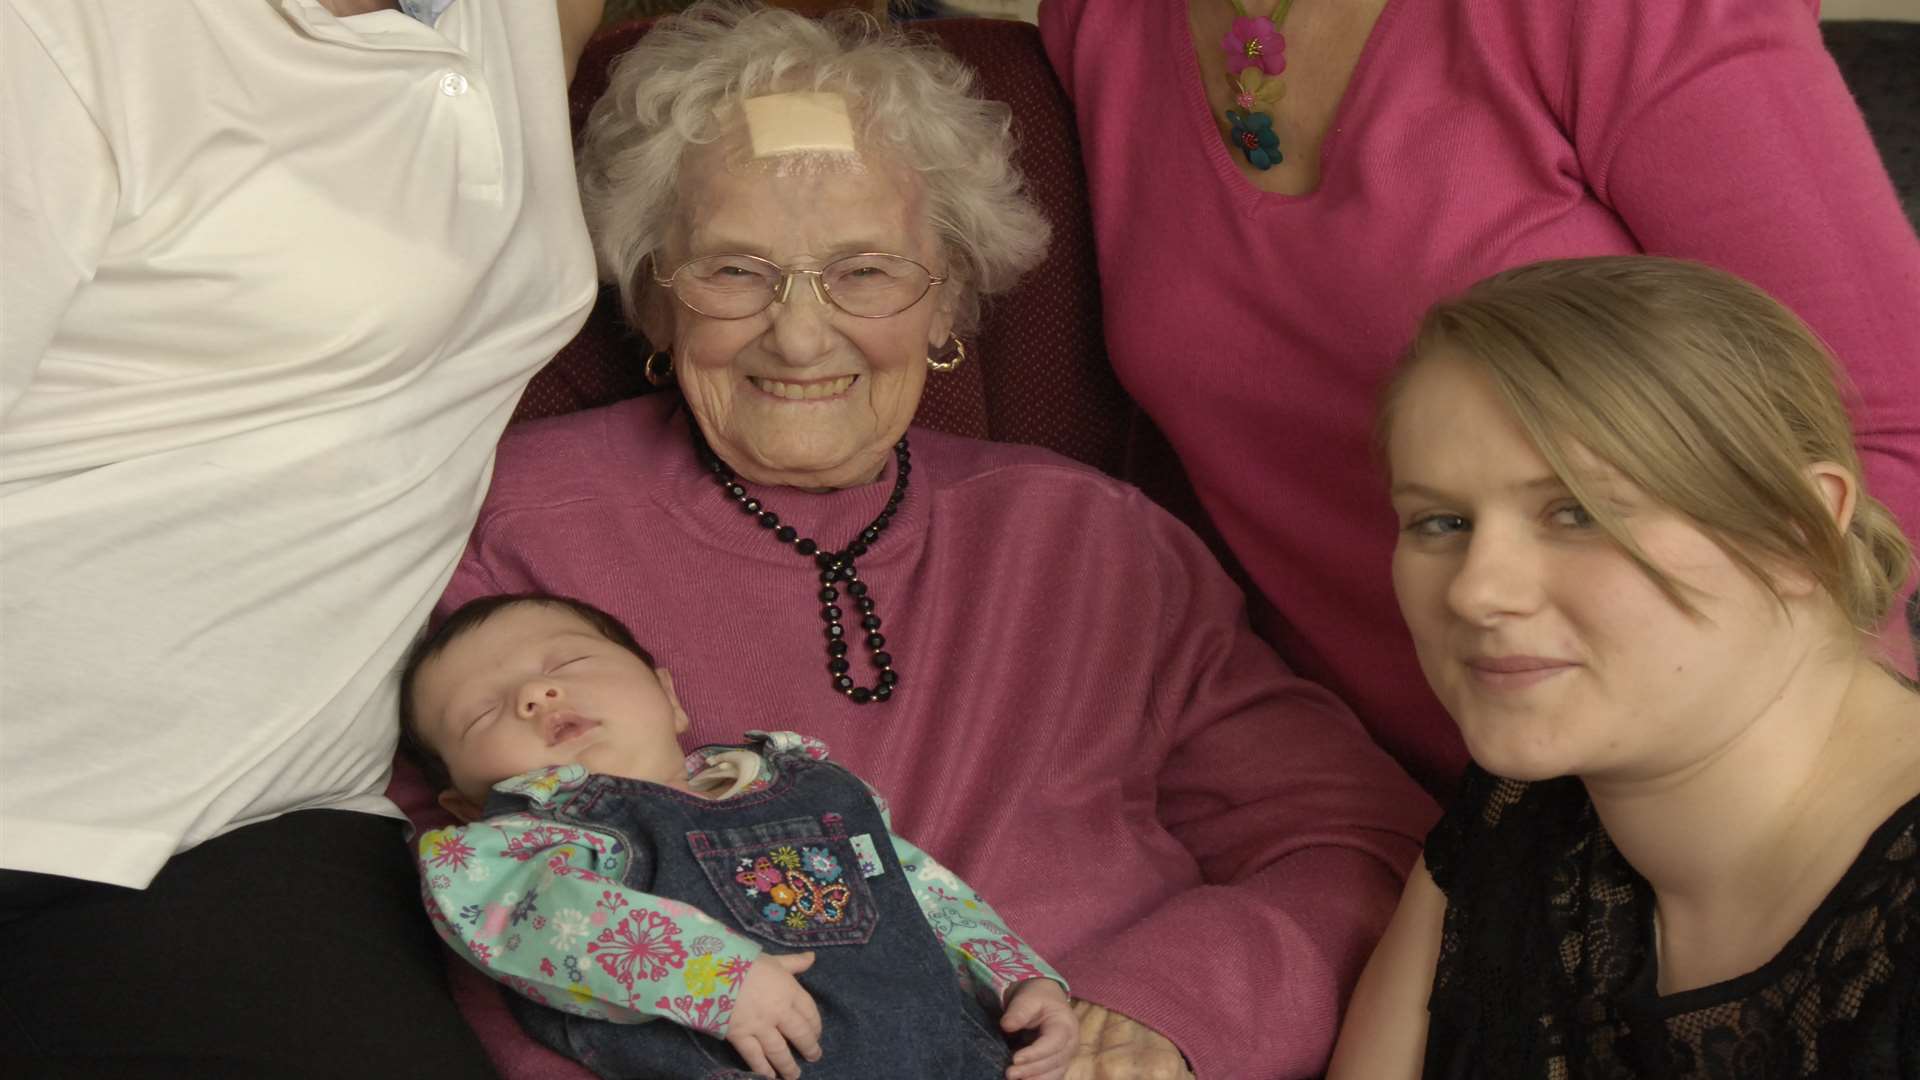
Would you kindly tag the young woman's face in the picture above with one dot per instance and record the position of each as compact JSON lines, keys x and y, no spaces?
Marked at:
{"x":1552,"y":650}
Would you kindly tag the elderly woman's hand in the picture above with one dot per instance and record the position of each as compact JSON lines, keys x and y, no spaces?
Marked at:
{"x":1114,"y":1046}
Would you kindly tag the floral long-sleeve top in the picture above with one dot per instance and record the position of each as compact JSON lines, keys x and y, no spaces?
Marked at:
{"x":539,"y":905}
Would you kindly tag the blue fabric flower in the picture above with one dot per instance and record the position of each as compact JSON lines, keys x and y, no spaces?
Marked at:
{"x":820,"y":863}
{"x":773,"y":912}
{"x":1253,"y":134}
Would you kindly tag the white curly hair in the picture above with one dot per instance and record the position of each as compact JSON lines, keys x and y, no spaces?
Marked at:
{"x":682,"y":85}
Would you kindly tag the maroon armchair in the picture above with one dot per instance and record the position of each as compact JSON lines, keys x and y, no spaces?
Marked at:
{"x":1037,"y":369}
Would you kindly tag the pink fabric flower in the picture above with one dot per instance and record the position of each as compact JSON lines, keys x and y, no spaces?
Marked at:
{"x":1254,"y":42}
{"x":494,"y":921}
{"x":643,"y":946}
{"x":450,"y":849}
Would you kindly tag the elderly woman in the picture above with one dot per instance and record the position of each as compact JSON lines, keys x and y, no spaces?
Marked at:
{"x":1051,"y":679}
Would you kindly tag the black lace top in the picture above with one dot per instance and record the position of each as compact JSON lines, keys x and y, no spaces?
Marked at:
{"x":1546,"y":963}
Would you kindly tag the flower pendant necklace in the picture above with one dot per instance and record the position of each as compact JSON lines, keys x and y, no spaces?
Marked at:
{"x":1256,"y":55}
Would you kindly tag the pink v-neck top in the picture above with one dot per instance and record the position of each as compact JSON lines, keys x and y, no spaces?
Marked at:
{"x":1476,"y":135}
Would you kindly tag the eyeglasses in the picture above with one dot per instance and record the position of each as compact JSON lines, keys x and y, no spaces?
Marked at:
{"x":870,"y":285}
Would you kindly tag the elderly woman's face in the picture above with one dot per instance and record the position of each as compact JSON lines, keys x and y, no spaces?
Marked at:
{"x":801,"y":394}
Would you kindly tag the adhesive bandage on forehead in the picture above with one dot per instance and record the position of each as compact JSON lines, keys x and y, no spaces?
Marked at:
{"x":800,"y":130}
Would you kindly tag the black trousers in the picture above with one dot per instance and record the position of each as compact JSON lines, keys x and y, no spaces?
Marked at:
{"x":292,"y":948}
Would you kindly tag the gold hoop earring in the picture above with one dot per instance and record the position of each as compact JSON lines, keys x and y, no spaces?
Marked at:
{"x":949,"y":357}
{"x":659,"y":367}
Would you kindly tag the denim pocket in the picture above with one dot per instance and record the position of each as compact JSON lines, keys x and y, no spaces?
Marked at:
{"x":795,"y":882}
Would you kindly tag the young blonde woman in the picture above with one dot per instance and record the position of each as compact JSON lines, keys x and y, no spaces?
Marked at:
{"x":1641,"y":573}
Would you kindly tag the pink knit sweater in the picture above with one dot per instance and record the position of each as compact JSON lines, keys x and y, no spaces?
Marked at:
{"x":1476,"y":135}
{"x":1085,"y":728}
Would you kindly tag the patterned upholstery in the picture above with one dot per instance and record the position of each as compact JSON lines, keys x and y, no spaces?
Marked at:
{"x":1037,"y":372}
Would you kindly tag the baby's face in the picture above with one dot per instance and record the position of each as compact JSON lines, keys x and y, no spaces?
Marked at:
{"x":534,"y":686}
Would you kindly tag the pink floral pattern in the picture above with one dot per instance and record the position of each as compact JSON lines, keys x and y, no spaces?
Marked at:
{"x":646,"y":944}
{"x":708,"y":1014}
{"x":1007,"y":958}
{"x":545,"y":836}
{"x":450,"y":850}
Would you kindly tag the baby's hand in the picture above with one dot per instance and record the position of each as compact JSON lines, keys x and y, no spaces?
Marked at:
{"x":772,"y":1011}
{"x":1039,"y":1005}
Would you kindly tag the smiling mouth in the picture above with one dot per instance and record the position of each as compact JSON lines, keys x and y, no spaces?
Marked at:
{"x":815,"y":390}
{"x":565,"y":726}
{"x":1516,"y":672}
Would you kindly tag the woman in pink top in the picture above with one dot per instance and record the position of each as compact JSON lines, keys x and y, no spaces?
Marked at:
{"x":1421,"y":145}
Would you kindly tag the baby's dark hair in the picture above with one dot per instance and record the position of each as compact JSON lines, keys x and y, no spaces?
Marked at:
{"x":465,"y":618}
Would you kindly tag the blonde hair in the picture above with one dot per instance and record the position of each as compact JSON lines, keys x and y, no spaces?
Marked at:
{"x":683,"y":83}
{"x":1699,"y":389}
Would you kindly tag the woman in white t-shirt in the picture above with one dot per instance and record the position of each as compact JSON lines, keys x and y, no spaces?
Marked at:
{"x":273,"y":275}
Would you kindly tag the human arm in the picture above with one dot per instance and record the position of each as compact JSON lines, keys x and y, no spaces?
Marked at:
{"x":986,"y":955}
{"x":999,"y":965}
{"x":1722,"y":131}
{"x":538,"y":906}
{"x":1297,"y":826}
{"x":773,"y":1012}
{"x":58,"y":193}
{"x":1114,"y":1046}
{"x":578,"y":20}
{"x":1040,"y":1006}
{"x":1057,"y":19}
{"x":1385,"y":1032}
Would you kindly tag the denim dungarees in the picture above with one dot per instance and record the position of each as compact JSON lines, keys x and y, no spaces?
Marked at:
{"x":891,"y":1004}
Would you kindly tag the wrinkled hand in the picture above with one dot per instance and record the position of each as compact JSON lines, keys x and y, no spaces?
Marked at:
{"x":774,"y":1010}
{"x":1040,"y":1006}
{"x":1114,"y":1046}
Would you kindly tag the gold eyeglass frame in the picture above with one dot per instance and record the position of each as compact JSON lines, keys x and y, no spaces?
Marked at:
{"x":787,"y":274}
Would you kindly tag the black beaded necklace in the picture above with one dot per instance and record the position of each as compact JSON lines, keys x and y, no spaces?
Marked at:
{"x":836,"y":567}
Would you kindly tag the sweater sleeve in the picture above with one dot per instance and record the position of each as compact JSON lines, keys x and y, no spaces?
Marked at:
{"x":58,"y":194}
{"x":989,"y":958}
{"x":539,"y":907}
{"x":1720,"y":130}
{"x":985,"y":954}
{"x":474,"y":577}
{"x":1057,"y":20}
{"x":1301,"y":829}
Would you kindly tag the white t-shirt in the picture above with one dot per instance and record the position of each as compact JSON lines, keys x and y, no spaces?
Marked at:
{"x":270,"y":284}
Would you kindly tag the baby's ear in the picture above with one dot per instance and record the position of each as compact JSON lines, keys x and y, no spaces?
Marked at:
{"x":462,"y":808}
{"x":680,"y":721}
